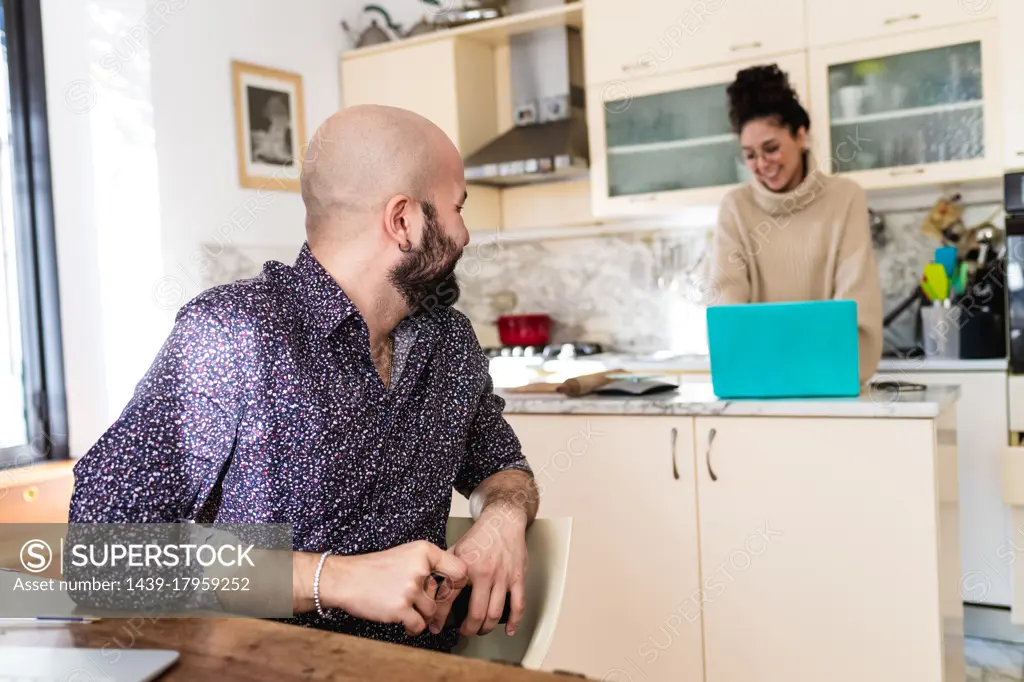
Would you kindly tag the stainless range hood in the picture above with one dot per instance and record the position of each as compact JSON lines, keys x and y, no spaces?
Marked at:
{"x":549,"y":140}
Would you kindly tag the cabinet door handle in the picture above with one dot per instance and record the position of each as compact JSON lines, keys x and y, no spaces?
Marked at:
{"x":1020,"y":153}
{"x":707,"y":454}
{"x":30,"y":493}
{"x":895,"y":20}
{"x":910,"y":171}
{"x":633,"y":67}
{"x":675,"y":469}
{"x":746,"y":46}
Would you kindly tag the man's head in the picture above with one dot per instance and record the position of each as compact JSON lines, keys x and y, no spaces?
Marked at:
{"x":386,"y":186}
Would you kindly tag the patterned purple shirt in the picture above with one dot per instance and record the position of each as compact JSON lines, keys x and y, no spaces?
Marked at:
{"x":264,"y":406}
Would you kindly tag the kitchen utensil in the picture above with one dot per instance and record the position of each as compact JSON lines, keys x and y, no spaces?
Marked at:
{"x":524,"y":330}
{"x":935,"y":275}
{"x":578,"y":386}
{"x":897,"y":96}
{"x":960,"y":280}
{"x":421,"y":27}
{"x":877,"y":223}
{"x":944,"y":220}
{"x":946,"y":257}
{"x":928,"y":291}
{"x":851,"y":100}
{"x":472,"y":12}
{"x":374,"y":34}
{"x":940,"y":330}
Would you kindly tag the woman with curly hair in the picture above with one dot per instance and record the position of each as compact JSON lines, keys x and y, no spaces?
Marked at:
{"x":794,"y":232}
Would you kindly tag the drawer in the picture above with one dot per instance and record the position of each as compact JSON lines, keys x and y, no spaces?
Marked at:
{"x":1015,"y":392}
{"x":38,"y":494}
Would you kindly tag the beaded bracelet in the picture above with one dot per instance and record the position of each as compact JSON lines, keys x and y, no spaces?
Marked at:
{"x":316,"y":584}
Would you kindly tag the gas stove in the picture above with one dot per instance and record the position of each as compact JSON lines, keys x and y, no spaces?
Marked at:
{"x":563,"y":351}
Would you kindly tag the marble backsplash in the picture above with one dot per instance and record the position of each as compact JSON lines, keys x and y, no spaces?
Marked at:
{"x":630,"y":292}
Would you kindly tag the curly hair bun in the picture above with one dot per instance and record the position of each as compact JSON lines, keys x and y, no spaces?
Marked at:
{"x":764,"y":92}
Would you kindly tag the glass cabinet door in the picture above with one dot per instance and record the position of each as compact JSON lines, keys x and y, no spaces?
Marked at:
{"x":671,"y":141}
{"x":909,"y":109}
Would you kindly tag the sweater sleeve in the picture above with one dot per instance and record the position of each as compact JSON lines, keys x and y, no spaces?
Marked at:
{"x":728,"y":272}
{"x":857,"y":278}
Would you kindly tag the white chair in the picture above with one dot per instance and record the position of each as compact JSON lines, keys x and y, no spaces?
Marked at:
{"x":547,"y":541}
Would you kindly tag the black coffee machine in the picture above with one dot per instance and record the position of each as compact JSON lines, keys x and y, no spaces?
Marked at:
{"x":1013,"y":197}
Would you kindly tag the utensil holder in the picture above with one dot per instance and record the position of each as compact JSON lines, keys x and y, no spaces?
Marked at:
{"x":940,"y":330}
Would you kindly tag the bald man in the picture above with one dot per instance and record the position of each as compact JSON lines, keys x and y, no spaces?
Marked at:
{"x":342,"y":395}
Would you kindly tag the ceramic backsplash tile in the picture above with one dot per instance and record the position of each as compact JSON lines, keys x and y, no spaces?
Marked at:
{"x":628,"y":292}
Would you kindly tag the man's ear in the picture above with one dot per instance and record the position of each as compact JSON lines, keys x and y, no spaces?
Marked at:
{"x":399,"y":219}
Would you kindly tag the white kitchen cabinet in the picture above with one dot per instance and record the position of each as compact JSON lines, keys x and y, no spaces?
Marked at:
{"x":663,"y":142}
{"x":829,"y":549}
{"x":831,"y":23}
{"x":651,"y":37}
{"x":451,"y":82}
{"x":915,"y":109}
{"x":1011,"y":20}
{"x":985,"y":521}
{"x":629,"y":610}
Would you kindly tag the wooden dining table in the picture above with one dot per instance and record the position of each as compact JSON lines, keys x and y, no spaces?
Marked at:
{"x":229,"y":649}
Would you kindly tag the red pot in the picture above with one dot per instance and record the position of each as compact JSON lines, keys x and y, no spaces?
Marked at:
{"x":524,"y":330}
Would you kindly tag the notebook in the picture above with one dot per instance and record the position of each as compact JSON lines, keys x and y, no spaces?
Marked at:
{"x":784,"y":350}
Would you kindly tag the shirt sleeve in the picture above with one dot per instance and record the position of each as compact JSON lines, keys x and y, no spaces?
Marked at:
{"x":492,"y":445}
{"x":162,"y":457}
{"x":727,"y":273}
{"x":856,"y":278}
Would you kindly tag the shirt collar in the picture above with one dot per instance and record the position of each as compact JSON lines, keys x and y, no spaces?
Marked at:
{"x":325,"y":303}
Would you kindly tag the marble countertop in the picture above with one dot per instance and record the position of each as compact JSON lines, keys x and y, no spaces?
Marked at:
{"x":698,"y":399}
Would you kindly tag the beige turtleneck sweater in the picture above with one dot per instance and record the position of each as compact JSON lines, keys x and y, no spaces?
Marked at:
{"x":811,"y":244}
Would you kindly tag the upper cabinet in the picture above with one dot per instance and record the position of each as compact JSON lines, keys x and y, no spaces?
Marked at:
{"x":666,"y":141}
{"x":450,"y":82}
{"x":654,"y":37}
{"x":831,"y":23}
{"x":916,"y":109}
{"x":1011,"y":46}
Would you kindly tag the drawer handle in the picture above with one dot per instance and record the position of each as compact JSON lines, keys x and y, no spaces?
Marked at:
{"x":1020,"y":153}
{"x":633,"y":67}
{"x":30,"y":493}
{"x":911,"y":171}
{"x":707,"y":455}
{"x":675,"y":469}
{"x":895,"y":20}
{"x":746,"y":46}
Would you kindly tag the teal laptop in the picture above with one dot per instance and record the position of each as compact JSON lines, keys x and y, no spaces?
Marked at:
{"x":784,"y":350}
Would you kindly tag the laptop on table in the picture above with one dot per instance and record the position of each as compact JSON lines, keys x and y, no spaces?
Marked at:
{"x":805,"y":349}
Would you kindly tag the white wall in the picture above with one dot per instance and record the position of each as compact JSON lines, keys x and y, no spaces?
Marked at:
{"x":201,"y":200}
{"x":144,"y":167}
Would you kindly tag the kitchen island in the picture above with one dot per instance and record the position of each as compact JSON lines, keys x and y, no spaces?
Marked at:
{"x":729,"y":541}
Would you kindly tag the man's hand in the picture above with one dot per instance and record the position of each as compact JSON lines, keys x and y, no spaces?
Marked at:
{"x":494,"y":550}
{"x":393,"y":586}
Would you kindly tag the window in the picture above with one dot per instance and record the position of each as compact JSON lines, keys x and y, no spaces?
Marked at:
{"x":33,"y":417}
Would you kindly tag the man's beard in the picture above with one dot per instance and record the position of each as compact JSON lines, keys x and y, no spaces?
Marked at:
{"x":426,"y":275}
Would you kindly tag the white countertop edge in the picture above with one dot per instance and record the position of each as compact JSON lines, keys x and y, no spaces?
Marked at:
{"x":927,"y":404}
{"x":886,"y":365}
{"x":942,"y":365}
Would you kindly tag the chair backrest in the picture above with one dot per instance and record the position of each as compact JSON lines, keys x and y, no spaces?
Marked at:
{"x":547,"y":543}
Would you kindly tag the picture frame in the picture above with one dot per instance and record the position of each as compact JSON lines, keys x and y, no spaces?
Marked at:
{"x":270,"y":126}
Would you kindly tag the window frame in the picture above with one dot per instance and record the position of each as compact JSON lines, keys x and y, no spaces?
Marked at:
{"x":35,"y":242}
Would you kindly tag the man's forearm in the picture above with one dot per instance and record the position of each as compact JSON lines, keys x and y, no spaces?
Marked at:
{"x":512,"y":493}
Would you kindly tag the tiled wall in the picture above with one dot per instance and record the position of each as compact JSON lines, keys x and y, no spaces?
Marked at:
{"x":629,"y":292}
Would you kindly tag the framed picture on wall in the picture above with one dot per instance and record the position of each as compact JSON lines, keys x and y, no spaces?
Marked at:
{"x":270,"y":126}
